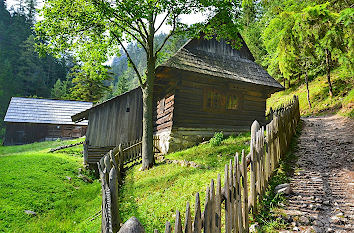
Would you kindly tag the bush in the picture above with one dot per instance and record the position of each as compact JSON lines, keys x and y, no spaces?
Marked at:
{"x":216,"y":139}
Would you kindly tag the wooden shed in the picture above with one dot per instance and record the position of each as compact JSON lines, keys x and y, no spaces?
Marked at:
{"x":206,"y":87}
{"x":115,"y":121}
{"x":31,"y":120}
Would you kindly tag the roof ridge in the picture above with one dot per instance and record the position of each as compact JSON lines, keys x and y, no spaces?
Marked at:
{"x":27,"y":98}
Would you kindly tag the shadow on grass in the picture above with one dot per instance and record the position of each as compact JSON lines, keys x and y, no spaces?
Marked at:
{"x":268,"y":217}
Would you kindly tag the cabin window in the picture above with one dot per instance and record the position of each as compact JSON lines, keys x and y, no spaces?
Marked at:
{"x":215,"y":100}
{"x":219,"y":101}
{"x":232,"y":102}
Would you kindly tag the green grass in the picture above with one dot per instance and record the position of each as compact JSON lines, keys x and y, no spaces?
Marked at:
{"x":36,"y":147}
{"x":33,"y":179}
{"x":153,"y":196}
{"x":342,"y":102}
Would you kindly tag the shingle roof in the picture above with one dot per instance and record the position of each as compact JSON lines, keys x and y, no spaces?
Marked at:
{"x":234,"y":65}
{"x":29,"y":110}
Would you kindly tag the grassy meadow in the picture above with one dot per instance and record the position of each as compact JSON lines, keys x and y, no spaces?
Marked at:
{"x":33,"y":179}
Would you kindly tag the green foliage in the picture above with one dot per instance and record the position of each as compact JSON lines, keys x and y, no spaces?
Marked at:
{"x":98,"y":30}
{"x":216,"y":139}
{"x":33,"y":179}
{"x":89,"y":83}
{"x":154,"y":195}
{"x":61,"y":89}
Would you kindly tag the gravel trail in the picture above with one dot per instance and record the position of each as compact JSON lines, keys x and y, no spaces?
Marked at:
{"x":323,"y":182}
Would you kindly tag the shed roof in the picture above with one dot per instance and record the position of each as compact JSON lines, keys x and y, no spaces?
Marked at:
{"x":80,"y":116}
{"x":217,"y":58}
{"x":30,"y":110}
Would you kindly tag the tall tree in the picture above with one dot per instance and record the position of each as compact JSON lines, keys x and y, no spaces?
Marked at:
{"x":72,"y":25}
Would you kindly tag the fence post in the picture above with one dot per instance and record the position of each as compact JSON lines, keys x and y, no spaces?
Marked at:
{"x":113,"y":186}
{"x":85,"y":145}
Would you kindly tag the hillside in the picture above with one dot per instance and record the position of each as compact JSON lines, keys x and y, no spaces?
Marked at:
{"x":342,"y":102}
{"x":153,"y":196}
{"x":33,"y":179}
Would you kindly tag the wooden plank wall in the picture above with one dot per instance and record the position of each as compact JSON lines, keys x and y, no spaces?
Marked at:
{"x":190,"y":113}
{"x":116,"y":121}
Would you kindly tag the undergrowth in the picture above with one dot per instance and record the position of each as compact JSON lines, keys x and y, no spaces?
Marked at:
{"x":342,"y":102}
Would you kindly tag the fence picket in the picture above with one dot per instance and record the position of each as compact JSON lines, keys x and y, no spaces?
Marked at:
{"x":245,"y":208}
{"x":197,"y":224}
{"x":212,"y":207}
{"x":253,"y":174}
{"x":168,"y":227}
{"x":188,"y":220}
{"x":231,"y":188}
{"x":218,"y":205}
{"x":178,"y":224}
{"x":238,"y":208}
{"x":206,"y":213}
{"x":227,"y":201}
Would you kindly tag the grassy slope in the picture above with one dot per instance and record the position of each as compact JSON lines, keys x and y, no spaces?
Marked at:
{"x":33,"y":179}
{"x":154,"y":196}
{"x":322,"y":103}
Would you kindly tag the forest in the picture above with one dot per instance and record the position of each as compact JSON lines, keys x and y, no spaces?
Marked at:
{"x":296,"y":41}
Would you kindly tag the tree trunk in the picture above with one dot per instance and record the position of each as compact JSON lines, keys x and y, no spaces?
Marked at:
{"x":289,"y":83}
{"x":284,"y":83}
{"x":148,"y":159}
{"x":307,"y":88}
{"x":328,"y":65}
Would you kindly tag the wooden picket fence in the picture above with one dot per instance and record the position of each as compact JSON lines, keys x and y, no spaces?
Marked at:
{"x":235,"y":200}
{"x":111,"y":167}
{"x":239,"y":196}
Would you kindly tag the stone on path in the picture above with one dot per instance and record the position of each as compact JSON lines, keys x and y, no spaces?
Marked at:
{"x":283,"y":188}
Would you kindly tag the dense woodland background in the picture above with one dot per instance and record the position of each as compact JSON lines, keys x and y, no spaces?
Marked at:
{"x":296,"y":41}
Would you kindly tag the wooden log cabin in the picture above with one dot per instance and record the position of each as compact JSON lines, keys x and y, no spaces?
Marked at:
{"x":32,"y":120}
{"x":206,"y":87}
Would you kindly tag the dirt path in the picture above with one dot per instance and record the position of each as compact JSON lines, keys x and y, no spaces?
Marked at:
{"x":323,"y":183}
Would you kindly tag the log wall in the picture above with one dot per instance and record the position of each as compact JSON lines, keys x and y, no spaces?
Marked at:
{"x":23,"y":133}
{"x":191,"y":111}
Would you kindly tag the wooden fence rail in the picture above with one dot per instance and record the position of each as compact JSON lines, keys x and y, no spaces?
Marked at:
{"x":238,"y":197}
